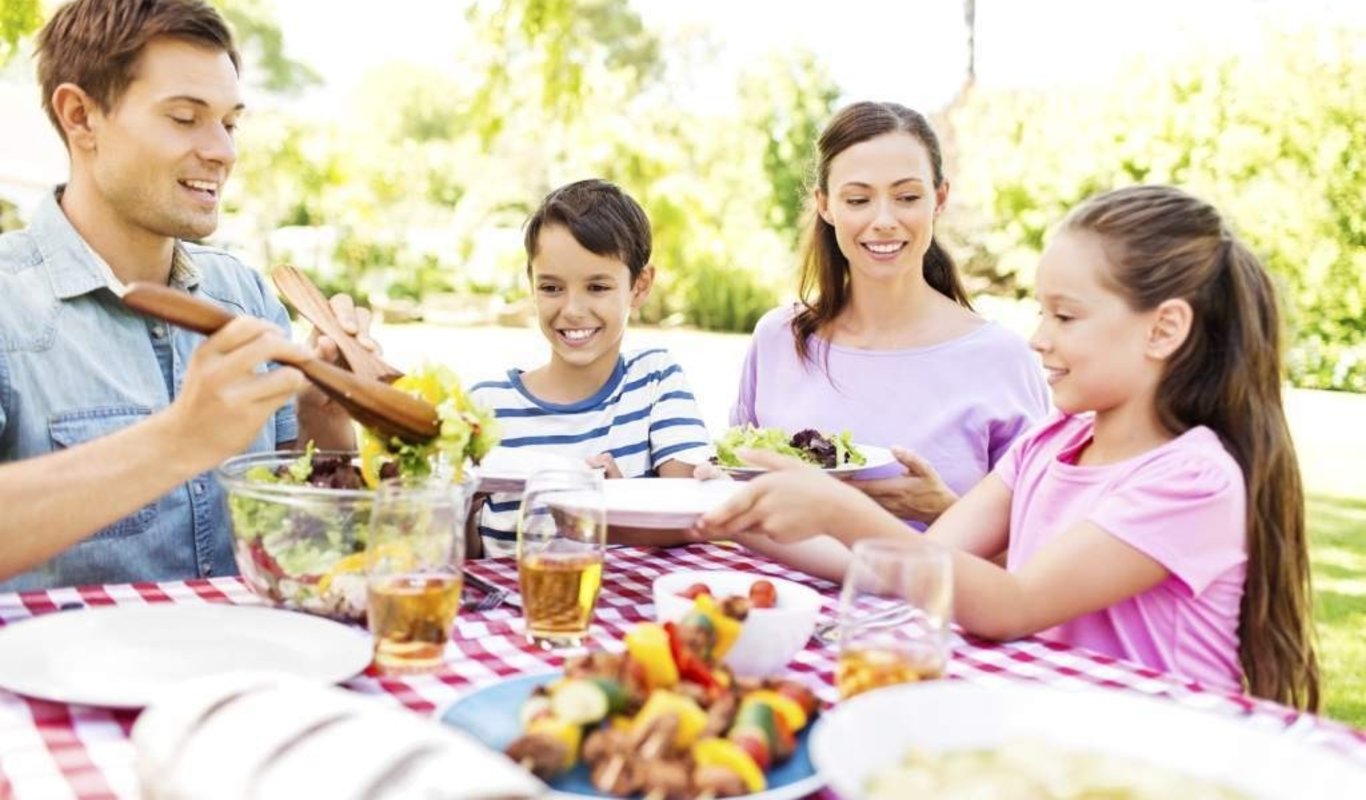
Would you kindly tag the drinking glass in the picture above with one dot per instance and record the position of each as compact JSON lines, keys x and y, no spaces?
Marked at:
{"x":413,"y":570}
{"x":561,"y":540}
{"x":893,"y":615}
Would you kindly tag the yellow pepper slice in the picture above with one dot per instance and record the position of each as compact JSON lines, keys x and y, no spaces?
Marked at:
{"x":790,"y":710}
{"x":691,"y":718}
{"x":648,"y":645}
{"x":723,"y":753}
{"x":570,"y":734}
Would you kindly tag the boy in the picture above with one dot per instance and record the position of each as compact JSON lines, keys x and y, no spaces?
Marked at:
{"x":588,"y":259}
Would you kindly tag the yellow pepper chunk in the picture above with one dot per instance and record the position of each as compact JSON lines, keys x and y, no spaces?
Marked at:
{"x":727,"y":754}
{"x":648,"y":645}
{"x":790,"y":710}
{"x":691,"y":718}
{"x":727,"y":629}
{"x":556,"y":728}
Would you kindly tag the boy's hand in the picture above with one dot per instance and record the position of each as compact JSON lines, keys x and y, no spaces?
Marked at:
{"x":920,"y":494}
{"x":606,"y":463}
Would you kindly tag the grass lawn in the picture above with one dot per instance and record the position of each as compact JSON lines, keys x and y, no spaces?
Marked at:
{"x":1337,"y":529}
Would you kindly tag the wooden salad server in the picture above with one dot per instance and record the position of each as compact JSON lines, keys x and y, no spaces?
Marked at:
{"x":374,"y":404}
{"x":312,"y":305}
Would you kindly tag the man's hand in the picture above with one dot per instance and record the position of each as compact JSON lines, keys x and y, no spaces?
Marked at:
{"x":320,"y":418}
{"x":226,"y":400}
{"x":920,"y":494}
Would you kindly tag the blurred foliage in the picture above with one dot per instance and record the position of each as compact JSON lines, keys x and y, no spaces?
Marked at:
{"x":253,"y":22}
{"x":18,"y":18}
{"x":430,"y":180}
{"x":1276,"y":139}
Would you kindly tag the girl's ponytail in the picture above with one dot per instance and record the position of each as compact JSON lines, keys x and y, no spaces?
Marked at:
{"x":1166,"y":244}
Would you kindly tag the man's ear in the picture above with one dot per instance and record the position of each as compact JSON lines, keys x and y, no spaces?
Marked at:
{"x":1171,"y":325}
{"x":75,"y":111}
{"x":640,"y":287}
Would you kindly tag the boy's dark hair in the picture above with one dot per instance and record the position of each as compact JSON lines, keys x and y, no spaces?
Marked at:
{"x":95,"y":44}
{"x":601,"y":217}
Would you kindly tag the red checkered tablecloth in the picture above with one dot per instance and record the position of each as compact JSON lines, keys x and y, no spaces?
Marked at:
{"x":54,"y":750}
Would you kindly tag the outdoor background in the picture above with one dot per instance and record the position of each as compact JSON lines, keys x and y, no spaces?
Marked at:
{"x":394,"y":151}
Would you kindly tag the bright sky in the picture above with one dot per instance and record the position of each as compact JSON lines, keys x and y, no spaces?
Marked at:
{"x":912,"y":51}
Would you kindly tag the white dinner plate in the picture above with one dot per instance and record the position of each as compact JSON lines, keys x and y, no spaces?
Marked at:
{"x":869,"y":733}
{"x":658,"y":503}
{"x":506,"y":469}
{"x":120,"y":656}
{"x":876,"y":461}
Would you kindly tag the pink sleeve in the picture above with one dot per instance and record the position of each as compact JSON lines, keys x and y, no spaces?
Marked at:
{"x":1008,"y":466}
{"x":1185,"y":511}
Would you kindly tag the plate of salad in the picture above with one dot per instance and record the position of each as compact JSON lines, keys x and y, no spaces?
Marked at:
{"x":833,"y":453}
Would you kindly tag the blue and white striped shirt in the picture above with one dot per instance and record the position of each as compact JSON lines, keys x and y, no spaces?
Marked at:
{"x":643,"y":416}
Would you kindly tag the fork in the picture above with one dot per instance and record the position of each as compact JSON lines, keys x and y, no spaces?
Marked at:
{"x":827,"y":632}
{"x":494,"y":595}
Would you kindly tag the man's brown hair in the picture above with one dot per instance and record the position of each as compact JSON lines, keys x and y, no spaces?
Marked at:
{"x":95,"y":44}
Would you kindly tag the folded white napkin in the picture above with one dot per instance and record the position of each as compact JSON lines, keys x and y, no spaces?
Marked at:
{"x":268,"y":736}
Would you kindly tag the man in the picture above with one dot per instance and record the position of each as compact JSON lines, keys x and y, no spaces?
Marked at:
{"x":108,"y":420}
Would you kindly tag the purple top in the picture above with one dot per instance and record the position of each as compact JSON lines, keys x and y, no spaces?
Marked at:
{"x":959,"y":404}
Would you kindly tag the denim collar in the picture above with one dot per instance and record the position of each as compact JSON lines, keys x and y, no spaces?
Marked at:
{"x":74,"y":267}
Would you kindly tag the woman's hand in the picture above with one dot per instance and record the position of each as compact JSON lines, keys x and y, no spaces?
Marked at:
{"x":791,"y":502}
{"x":920,"y":494}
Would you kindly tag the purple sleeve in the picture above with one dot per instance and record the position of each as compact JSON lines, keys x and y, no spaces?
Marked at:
{"x":1184,"y":511}
{"x":742,"y":413}
{"x":1026,"y":405}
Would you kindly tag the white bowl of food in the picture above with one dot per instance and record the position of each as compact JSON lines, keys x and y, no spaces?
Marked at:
{"x":771,"y":635}
{"x":954,"y":739}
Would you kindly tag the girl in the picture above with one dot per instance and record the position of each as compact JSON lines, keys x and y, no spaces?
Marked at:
{"x":884,"y":343}
{"x":1159,"y":516}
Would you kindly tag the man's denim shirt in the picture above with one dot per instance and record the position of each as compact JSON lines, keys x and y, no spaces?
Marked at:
{"x":76,"y":365}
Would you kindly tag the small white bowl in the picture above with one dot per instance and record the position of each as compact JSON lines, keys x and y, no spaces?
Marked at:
{"x":770,"y":637}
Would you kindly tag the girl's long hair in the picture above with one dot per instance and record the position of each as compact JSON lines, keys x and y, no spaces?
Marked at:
{"x":824,"y":284}
{"x":1163,"y":244}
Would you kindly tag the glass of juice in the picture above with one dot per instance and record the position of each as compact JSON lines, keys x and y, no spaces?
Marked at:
{"x":413,"y":563}
{"x":894,"y":614}
{"x":561,"y":540}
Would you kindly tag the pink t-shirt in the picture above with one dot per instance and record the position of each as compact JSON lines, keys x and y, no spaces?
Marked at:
{"x":1181,"y":504}
{"x":958,"y":404}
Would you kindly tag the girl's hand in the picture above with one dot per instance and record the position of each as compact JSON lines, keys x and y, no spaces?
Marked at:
{"x":920,"y":494}
{"x":791,"y":502}
{"x":606,"y":463}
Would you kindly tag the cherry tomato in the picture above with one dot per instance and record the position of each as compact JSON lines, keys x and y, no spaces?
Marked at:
{"x":762,"y":594}
{"x":692,"y":592}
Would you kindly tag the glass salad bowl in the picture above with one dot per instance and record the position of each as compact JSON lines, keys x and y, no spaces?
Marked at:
{"x":300,"y":522}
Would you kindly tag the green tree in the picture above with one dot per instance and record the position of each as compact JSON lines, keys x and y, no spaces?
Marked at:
{"x":18,"y":19}
{"x":252,"y":21}
{"x":787,"y":102}
{"x":1291,"y":175}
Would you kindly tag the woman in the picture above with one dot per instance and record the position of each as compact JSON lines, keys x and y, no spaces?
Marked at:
{"x":884,"y":342}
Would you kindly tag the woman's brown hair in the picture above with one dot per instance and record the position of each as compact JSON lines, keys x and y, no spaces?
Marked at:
{"x":824,"y":283}
{"x":1164,"y":244}
{"x":95,"y":44}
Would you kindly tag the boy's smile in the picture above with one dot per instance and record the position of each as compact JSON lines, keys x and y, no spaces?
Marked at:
{"x":583,"y":301}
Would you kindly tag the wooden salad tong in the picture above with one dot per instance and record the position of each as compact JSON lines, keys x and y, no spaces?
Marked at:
{"x":373,"y":403}
{"x":312,"y":305}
